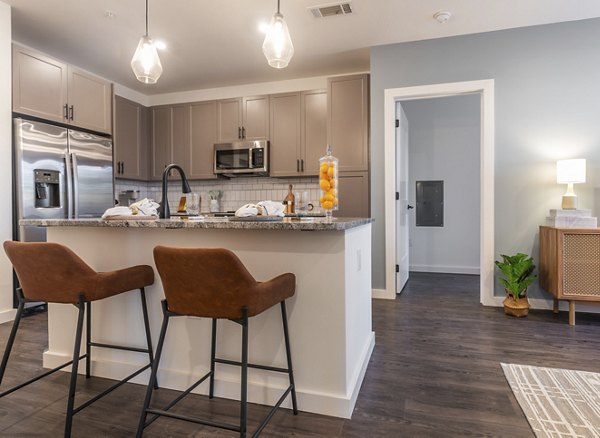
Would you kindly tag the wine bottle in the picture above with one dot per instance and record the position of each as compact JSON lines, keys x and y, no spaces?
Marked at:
{"x":290,"y":201}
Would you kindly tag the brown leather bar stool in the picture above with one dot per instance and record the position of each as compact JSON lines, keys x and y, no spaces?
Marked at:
{"x":53,"y":273}
{"x":213,"y":283}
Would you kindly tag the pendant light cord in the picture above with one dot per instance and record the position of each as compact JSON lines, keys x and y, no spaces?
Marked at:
{"x":278,"y":6}
{"x":147,"y":17}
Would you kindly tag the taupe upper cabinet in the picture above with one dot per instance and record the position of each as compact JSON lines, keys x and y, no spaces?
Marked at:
{"x":285,"y":150}
{"x":204,"y":136}
{"x":298,"y":125}
{"x":348,"y":119}
{"x":130,"y":140}
{"x":181,"y":136}
{"x":243,"y":118}
{"x":161,"y":140}
{"x":46,"y":88}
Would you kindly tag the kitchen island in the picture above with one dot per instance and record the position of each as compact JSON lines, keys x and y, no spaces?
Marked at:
{"x":329,"y":316}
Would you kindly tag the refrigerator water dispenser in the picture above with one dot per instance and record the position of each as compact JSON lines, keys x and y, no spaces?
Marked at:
{"x":47,"y":188}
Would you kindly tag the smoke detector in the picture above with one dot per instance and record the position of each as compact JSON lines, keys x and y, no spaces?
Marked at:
{"x":442,"y":16}
{"x":331,"y":9}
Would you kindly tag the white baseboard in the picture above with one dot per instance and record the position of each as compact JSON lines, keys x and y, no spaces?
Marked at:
{"x":332,"y":404}
{"x":383,"y":294}
{"x":472,"y":270}
{"x":7,"y":315}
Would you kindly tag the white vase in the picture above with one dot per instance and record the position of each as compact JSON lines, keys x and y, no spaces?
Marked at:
{"x":214,"y":205}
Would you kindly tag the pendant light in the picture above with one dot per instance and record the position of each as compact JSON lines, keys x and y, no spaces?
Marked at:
{"x":278,"y":47}
{"x":145,"y":62}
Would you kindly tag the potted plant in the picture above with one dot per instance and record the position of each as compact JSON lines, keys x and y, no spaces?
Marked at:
{"x":518,"y":275}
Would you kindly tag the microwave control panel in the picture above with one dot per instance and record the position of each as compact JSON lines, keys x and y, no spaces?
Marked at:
{"x":258,"y":157}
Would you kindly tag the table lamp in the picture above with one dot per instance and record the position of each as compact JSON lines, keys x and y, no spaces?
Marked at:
{"x":570,"y":172}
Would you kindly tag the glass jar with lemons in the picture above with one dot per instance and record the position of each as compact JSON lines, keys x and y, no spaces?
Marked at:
{"x":328,"y":182}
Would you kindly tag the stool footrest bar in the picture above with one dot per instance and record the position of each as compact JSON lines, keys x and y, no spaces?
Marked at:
{"x":41,"y":376}
{"x":272,"y":411}
{"x":218,"y":424}
{"x":252,"y":365}
{"x":179,"y":398}
{"x":119,"y":347}
{"x":110,"y":389}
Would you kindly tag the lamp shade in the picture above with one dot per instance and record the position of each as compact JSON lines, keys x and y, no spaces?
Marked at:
{"x":570,"y":171}
{"x":278,"y":47}
{"x":146,"y":63}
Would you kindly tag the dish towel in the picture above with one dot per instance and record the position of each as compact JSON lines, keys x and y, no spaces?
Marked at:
{"x":145,"y":207}
{"x":262,"y":208}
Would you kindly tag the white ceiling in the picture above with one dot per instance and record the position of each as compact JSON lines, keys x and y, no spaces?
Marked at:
{"x":214,"y":43}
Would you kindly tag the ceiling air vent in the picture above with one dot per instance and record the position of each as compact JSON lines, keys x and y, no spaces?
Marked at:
{"x":331,"y":10}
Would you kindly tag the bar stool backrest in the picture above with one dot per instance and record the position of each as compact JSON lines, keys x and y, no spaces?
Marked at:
{"x":205,"y":282}
{"x":49,"y":272}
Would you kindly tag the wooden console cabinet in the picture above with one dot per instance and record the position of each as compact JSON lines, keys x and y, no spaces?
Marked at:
{"x":570,"y":265}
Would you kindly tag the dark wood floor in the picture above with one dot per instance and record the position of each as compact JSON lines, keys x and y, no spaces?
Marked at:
{"x":435,"y":371}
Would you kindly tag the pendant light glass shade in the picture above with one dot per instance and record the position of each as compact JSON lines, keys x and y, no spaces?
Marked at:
{"x":146,"y":63}
{"x":278,"y":47}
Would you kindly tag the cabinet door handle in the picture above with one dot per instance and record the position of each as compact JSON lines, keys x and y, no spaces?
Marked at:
{"x":66,"y":111}
{"x":71,"y":111}
{"x":239,"y":132}
{"x":118,"y":167}
{"x":122,"y":167}
{"x":302,"y":165}
{"x":243,"y":132}
{"x":298,"y":166}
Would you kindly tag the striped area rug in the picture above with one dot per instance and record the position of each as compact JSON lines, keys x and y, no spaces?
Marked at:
{"x":556,"y":402}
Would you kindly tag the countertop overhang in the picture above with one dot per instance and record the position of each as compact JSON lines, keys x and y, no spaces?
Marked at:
{"x":305,"y":224}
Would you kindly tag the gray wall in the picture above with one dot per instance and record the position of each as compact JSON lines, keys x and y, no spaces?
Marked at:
{"x":444,"y":141}
{"x":547,"y":107}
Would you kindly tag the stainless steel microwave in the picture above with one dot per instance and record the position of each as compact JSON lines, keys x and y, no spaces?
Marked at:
{"x":242,"y":158}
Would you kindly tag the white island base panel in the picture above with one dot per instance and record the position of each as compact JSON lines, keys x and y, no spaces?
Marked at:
{"x":329,"y":316}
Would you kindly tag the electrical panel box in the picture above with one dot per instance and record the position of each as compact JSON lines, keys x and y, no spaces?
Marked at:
{"x":430,"y":203}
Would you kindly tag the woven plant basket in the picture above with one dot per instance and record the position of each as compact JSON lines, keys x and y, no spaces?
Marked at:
{"x":518,"y":307}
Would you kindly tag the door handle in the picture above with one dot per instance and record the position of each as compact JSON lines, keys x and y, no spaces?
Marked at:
{"x":239,"y":132}
{"x":122,"y":167}
{"x":243,"y":132}
{"x":69,"y":184}
{"x":298,"y":166}
{"x":66,"y":111}
{"x":71,"y":111}
{"x":75,"y":187}
{"x":302,"y":165}
{"x":409,"y":207}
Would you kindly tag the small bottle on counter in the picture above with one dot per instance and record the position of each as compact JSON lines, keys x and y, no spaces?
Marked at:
{"x":290,"y":201}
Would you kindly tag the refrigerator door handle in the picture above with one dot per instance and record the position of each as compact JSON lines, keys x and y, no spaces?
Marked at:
{"x":69,"y":182}
{"x":75,"y":186}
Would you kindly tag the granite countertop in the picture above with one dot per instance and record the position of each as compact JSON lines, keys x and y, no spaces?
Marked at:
{"x":305,"y":224}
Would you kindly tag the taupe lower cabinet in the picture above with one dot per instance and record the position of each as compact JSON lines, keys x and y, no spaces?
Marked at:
{"x":243,"y":118}
{"x":348,"y":119}
{"x":52,"y":90}
{"x":298,"y":127}
{"x":130,"y":139}
{"x":353,"y":194}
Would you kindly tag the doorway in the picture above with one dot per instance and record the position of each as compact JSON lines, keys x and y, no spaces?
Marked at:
{"x":437,"y":180}
{"x":485,"y":89}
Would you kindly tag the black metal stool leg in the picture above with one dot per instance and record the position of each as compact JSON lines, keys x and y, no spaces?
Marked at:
{"x":152,"y":382}
{"x":147,"y":328}
{"x":13,"y":334}
{"x":244,"y":395}
{"x":213,"y":351}
{"x":88,"y":340}
{"x":288,"y":354}
{"x":74,"y":367}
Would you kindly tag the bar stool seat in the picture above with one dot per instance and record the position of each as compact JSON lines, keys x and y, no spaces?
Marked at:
{"x":52,"y":273}
{"x":214,"y":283}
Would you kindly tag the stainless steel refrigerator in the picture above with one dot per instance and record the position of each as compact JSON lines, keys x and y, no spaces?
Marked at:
{"x":59,"y":173}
